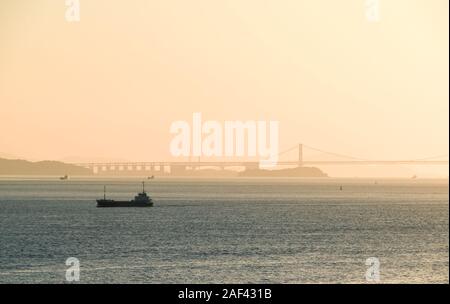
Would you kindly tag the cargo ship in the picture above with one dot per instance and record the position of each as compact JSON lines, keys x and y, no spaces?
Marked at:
{"x":140,"y":200}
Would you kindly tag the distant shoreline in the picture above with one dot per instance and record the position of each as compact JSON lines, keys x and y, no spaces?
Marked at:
{"x":81,"y":178}
{"x":49,"y":170}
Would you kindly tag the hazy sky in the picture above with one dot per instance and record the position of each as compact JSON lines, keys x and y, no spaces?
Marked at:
{"x":110,"y":85}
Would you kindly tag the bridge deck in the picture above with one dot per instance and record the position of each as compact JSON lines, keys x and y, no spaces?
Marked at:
{"x":248,"y":163}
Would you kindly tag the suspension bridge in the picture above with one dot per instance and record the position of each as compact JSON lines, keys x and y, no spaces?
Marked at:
{"x":301,"y":160}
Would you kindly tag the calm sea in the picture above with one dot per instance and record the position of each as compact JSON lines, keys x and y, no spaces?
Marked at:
{"x":226,"y":231}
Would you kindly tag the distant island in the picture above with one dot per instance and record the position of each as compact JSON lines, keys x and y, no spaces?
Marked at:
{"x":290,"y":172}
{"x":24,"y":167}
{"x":254,"y":172}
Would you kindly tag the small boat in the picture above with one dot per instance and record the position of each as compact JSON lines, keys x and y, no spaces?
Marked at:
{"x":140,"y":200}
{"x":65,"y":177}
{"x":151,"y":177}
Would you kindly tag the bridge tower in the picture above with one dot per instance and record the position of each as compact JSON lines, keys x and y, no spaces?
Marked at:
{"x":300,"y":155}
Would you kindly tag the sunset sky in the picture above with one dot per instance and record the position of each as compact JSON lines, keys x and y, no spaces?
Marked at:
{"x":110,"y":85}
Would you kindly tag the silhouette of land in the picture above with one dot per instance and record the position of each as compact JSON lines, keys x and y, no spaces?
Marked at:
{"x":289,"y":172}
{"x":23,"y":167}
{"x":254,"y":172}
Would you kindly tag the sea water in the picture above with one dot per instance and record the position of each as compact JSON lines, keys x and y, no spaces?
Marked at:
{"x":225,"y":231}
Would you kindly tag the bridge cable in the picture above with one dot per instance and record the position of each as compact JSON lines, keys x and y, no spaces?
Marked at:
{"x":288,"y":150}
{"x":336,"y":154}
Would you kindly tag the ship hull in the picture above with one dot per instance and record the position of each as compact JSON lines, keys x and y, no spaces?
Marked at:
{"x":111,"y":203}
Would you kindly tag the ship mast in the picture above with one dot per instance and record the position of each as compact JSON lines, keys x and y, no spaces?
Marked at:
{"x":104,"y":192}
{"x":143,"y":188}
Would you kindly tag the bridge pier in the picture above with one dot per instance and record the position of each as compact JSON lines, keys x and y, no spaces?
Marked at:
{"x":300,"y":155}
